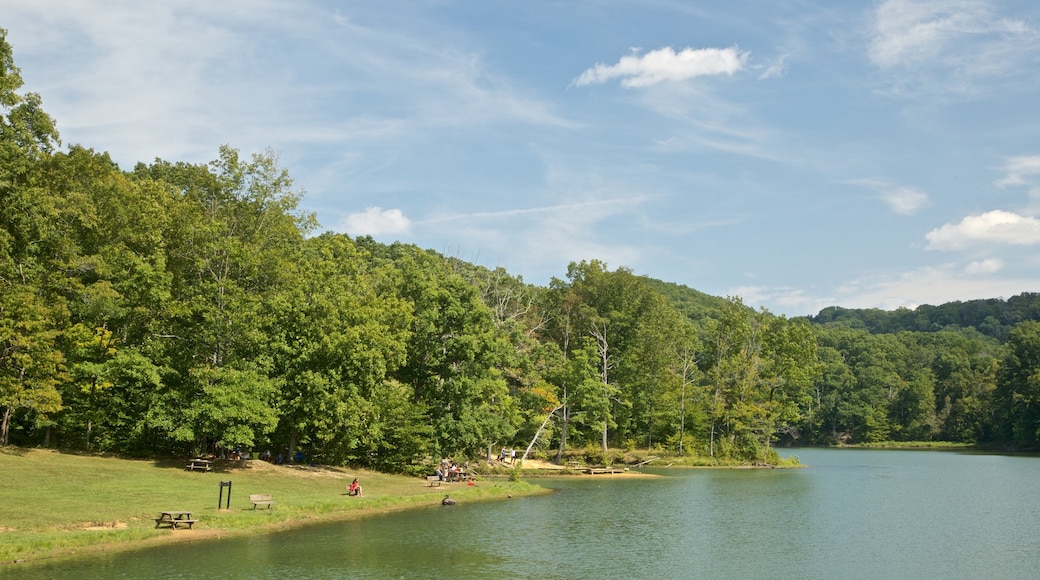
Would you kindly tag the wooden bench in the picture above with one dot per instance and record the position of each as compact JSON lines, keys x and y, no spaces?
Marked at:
{"x":435,"y":480}
{"x":175,"y":523}
{"x":260,"y":499}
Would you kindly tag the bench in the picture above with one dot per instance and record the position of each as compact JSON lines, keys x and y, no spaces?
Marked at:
{"x":435,"y":480}
{"x":174,"y":523}
{"x":260,"y":499}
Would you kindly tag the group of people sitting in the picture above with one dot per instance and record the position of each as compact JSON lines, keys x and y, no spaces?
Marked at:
{"x":449,"y":470}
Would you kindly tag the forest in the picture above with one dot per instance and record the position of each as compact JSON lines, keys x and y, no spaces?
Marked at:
{"x":178,"y":308}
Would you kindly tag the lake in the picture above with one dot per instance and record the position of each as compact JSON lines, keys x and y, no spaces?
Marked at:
{"x":850,"y":514}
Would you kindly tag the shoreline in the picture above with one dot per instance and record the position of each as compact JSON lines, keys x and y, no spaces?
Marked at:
{"x":39,"y":530}
{"x":205,"y":534}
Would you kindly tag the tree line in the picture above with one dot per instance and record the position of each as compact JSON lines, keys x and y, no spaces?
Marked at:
{"x":177,"y":307}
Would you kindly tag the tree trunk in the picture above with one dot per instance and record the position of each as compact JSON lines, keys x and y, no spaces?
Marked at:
{"x":537,"y":433}
{"x":563,"y":434}
{"x":4,"y":427}
{"x":650,"y":427}
{"x":711,"y":439}
{"x":292,"y":446}
{"x":682,"y":417}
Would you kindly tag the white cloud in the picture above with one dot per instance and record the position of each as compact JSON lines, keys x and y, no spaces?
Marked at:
{"x":664,"y":64}
{"x":987,"y":266}
{"x":904,"y":200}
{"x":375,"y":221}
{"x":991,"y":227}
{"x":1018,"y":169}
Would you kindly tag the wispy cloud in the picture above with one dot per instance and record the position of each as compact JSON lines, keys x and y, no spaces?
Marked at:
{"x":937,"y":284}
{"x":776,"y":69}
{"x":987,"y":266}
{"x":901,"y":199}
{"x":904,"y":200}
{"x":568,"y":209}
{"x":132,"y":65}
{"x":944,"y":45}
{"x":1018,"y":169}
{"x":930,"y":285}
{"x":997,"y":226}
{"x":664,"y":64}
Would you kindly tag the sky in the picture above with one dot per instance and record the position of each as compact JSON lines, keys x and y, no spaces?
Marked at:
{"x":797,"y":154}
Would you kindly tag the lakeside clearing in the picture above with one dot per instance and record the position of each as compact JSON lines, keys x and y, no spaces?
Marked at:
{"x":60,"y":505}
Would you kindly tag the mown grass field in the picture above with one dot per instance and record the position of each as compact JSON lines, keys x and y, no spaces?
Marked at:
{"x":56,"y":504}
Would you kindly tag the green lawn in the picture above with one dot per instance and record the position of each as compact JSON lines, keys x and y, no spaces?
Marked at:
{"x":56,"y":504}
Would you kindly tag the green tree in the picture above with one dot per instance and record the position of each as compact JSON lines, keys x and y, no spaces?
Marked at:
{"x":455,"y":355}
{"x":232,"y":237}
{"x":32,"y":311}
{"x":1018,"y":387}
{"x":338,"y":340}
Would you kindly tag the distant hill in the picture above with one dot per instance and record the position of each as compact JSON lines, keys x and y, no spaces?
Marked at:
{"x":993,"y":317}
{"x":694,"y":304}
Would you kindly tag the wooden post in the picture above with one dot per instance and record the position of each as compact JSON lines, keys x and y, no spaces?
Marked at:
{"x":220,"y":501}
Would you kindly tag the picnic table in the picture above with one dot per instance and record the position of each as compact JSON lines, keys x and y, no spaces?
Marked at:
{"x":173,"y":519}
{"x":460,"y":475}
{"x":200,"y":464}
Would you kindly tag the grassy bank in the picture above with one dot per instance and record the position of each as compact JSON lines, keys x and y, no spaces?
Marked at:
{"x":913,"y":445}
{"x":57,"y":505}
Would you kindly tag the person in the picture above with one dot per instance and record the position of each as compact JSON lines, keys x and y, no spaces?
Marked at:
{"x":502,"y":455}
{"x":440,"y":474}
{"x":355,"y":488}
{"x":512,"y":456}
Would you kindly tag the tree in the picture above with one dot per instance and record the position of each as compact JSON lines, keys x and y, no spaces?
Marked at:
{"x":31,"y":365}
{"x":233,"y":234}
{"x":337,"y":339}
{"x":1018,"y":387}
{"x":455,"y":355}
{"x":32,"y":312}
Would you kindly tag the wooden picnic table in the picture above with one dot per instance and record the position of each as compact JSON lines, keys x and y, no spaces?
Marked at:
{"x":200,"y":464}
{"x":460,"y":475}
{"x":173,"y":519}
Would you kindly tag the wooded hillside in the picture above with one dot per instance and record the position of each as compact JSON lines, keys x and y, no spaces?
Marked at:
{"x":182,"y":308}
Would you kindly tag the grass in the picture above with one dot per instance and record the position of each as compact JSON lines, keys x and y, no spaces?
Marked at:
{"x":55,"y":505}
{"x":914,"y":445}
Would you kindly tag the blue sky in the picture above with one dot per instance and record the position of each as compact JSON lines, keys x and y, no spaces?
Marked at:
{"x":797,"y":154}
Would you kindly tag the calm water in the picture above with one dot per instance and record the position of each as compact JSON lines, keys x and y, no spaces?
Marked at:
{"x":852,"y":514}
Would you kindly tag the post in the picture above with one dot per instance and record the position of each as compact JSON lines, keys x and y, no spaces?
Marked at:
{"x":220,"y":501}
